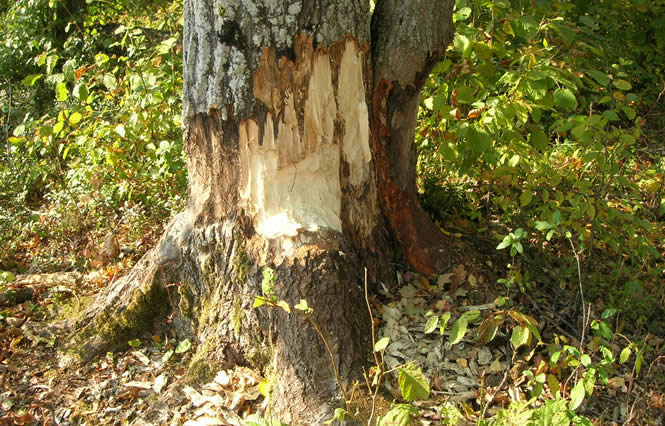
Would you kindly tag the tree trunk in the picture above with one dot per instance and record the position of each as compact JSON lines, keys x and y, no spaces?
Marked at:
{"x":299,"y":135}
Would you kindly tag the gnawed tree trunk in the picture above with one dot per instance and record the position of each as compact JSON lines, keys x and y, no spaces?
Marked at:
{"x":299,"y":135}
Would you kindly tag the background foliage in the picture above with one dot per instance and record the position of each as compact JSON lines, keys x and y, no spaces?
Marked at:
{"x":546,"y":119}
{"x":91,"y":100}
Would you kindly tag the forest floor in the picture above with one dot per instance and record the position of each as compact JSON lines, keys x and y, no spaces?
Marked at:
{"x":470,"y":380}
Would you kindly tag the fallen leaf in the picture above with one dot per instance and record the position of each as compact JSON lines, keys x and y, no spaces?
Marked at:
{"x":137,"y":384}
{"x":160,"y":382}
{"x":141,"y":357}
{"x":496,"y":366}
{"x":222,"y":378}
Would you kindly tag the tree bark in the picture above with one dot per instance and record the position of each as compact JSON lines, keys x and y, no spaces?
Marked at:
{"x":299,"y":121}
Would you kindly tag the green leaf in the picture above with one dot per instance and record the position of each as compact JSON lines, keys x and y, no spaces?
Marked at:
{"x":507,"y":242}
{"x":470,"y":316}
{"x":536,"y":89}
{"x":183,"y":346}
{"x":539,"y":139}
{"x":167,"y":356}
{"x":520,"y":336}
{"x":444,"y":322}
{"x":412,"y":383}
{"x":31,"y":79}
{"x":259,"y":301}
{"x":462,"y":45}
{"x":101,"y":59}
{"x":268,"y":283}
{"x":600,"y":77}
{"x":80,"y":91}
{"x":134,"y":343}
{"x":605,"y":330}
{"x":110,"y":81}
{"x":75,"y":118}
{"x":622,"y":84}
{"x":576,"y":395}
{"x":608,"y":313}
{"x":69,"y":70}
{"x":382,"y":344}
{"x":611,"y":115}
{"x":430,"y":325}
{"x":589,"y":381}
{"x":514,"y":161}
{"x":120,"y":130}
{"x":479,"y":140}
{"x":284,"y":305}
{"x":458,"y":330}
{"x":465,"y":94}
{"x":625,"y":354}
{"x":398,"y":415}
{"x":61,"y":92}
{"x":462,"y":15}
{"x":304,"y":306}
{"x":542,"y":225}
{"x":6,"y":276}
{"x":556,"y":218}
{"x":526,"y":198}
{"x":339,"y":415}
{"x":585,"y":359}
{"x":630,"y":112}
{"x":565,"y":99}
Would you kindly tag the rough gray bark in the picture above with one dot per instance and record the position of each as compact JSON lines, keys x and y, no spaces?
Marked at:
{"x":292,"y":141}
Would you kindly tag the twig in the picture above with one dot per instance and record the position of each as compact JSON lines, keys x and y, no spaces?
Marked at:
{"x":498,"y":388}
{"x":477,"y":307}
{"x":376,"y":358}
{"x":579,"y":277}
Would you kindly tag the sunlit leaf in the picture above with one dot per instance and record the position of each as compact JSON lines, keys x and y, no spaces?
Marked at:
{"x":444,"y":322}
{"x":183,"y":346}
{"x":398,"y":415}
{"x":101,"y":59}
{"x":565,"y":99}
{"x":412,"y":383}
{"x":458,"y":330}
{"x":625,"y":354}
{"x":31,"y":79}
{"x":382,"y":344}
{"x":622,"y":84}
{"x":520,"y":336}
{"x":284,"y":305}
{"x":430,"y":325}
{"x":576,"y":395}
{"x":61,"y":92}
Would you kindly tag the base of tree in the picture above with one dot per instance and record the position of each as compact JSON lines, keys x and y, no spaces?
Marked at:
{"x":201,"y":281}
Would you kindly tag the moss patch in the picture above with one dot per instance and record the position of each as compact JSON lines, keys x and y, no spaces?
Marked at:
{"x":202,"y":368}
{"x":143,"y":311}
{"x":200,"y":371}
{"x":240,"y":262}
{"x":186,"y":304}
{"x":260,"y":357}
{"x":236,"y":316}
